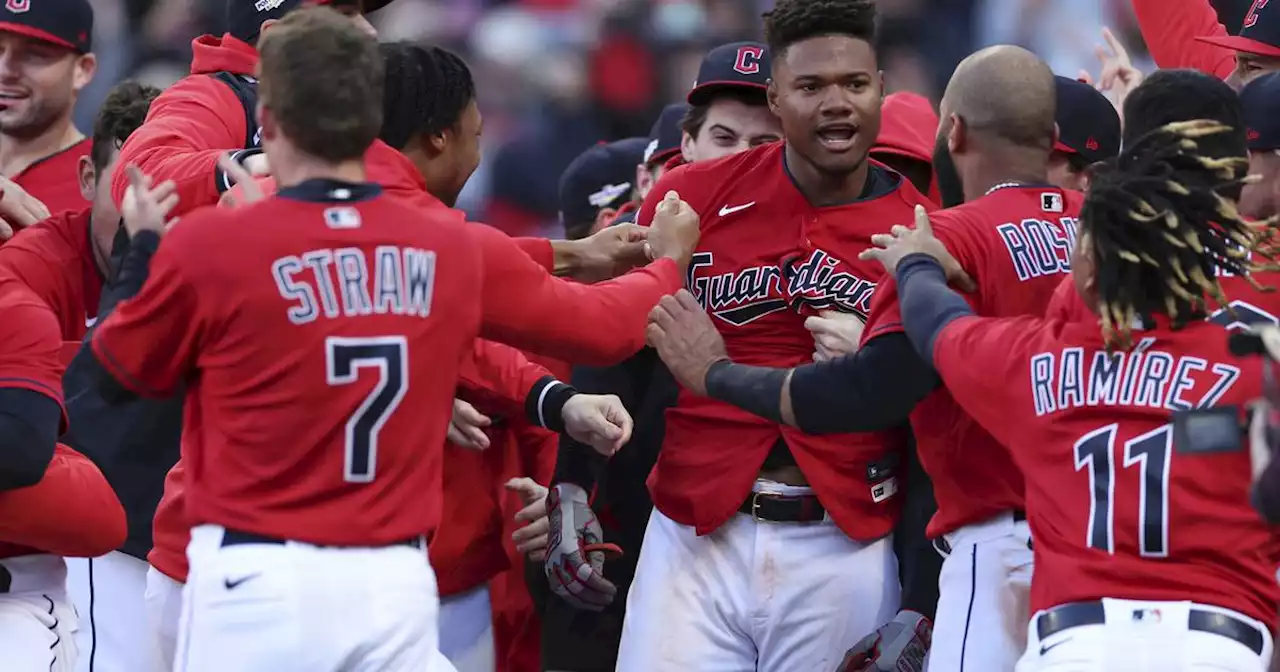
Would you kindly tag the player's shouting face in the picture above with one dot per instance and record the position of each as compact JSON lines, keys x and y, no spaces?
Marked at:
{"x":827,"y":91}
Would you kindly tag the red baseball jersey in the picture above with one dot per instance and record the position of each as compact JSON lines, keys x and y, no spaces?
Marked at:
{"x":1016,"y":244}
{"x":766,"y":260}
{"x":171,"y":529}
{"x":54,"y":180}
{"x":320,"y":356}
{"x":71,"y":512}
{"x":55,"y":260}
{"x":1118,"y":507}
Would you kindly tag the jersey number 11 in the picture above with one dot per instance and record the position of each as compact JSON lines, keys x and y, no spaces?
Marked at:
{"x":1150,"y":453}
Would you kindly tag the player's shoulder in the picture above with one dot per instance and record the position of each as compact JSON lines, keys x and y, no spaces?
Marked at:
{"x":55,"y":237}
{"x":22,"y":311}
{"x":727,"y":170}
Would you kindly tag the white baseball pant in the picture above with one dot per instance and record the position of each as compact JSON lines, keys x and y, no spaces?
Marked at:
{"x":754,"y":596}
{"x":108,"y":595}
{"x":37,"y":622}
{"x":466,"y":630}
{"x":1145,"y":636}
{"x":285,"y":607}
{"x":164,"y":611}
{"x":983,"y":597}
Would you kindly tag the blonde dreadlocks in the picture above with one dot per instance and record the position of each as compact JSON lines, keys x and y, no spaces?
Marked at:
{"x":1161,"y":231}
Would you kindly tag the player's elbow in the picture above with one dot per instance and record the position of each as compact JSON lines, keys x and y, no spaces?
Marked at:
{"x":25,"y":456}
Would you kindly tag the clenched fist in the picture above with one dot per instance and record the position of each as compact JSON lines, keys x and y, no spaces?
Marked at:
{"x":597,"y":420}
{"x":674,"y":231}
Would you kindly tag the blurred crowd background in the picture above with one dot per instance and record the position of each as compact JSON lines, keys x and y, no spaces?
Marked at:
{"x":556,"y":76}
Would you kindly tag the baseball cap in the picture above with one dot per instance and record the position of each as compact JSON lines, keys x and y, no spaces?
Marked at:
{"x":665,"y":137}
{"x":66,"y":23}
{"x":245,"y":17}
{"x":601,"y":177}
{"x":736,"y":65}
{"x":1259,"y":35}
{"x":1088,"y":124}
{"x":1261,"y":102}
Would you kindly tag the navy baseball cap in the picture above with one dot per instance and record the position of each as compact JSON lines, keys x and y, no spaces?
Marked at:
{"x":665,"y":138}
{"x":1260,"y":33}
{"x":66,"y":23}
{"x":245,"y":17}
{"x":1088,"y":124}
{"x":1261,"y":102}
{"x":601,"y":177}
{"x":737,"y":65}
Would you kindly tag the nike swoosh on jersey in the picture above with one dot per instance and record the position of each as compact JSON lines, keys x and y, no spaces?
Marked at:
{"x":232,"y":584}
{"x":726,"y":210}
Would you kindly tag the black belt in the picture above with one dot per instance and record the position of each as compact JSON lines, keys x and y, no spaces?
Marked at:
{"x":237,"y":538}
{"x":783,"y":508}
{"x":1076,"y":614}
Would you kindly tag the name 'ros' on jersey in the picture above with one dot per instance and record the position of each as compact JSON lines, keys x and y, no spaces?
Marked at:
{"x":817,"y":280}
{"x":338,"y":282}
{"x":1039,"y":247}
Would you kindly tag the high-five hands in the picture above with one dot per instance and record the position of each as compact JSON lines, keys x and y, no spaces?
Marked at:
{"x":893,"y":247}
{"x":597,"y":420}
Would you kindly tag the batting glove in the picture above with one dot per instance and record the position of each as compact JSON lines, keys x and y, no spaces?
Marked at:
{"x":897,"y":646}
{"x":575,"y":550}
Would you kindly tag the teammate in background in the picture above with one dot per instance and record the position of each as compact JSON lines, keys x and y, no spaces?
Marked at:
{"x":1088,"y":132}
{"x":1188,"y":34}
{"x":665,"y":140}
{"x":728,"y":112}
{"x":783,"y":225}
{"x":45,"y":60}
{"x":997,"y":131}
{"x":597,"y":185}
{"x":1260,"y":105}
{"x":905,"y":143}
{"x":1175,"y":574}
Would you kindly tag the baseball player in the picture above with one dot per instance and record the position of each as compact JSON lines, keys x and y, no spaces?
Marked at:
{"x":905,"y":143}
{"x":762,"y":537}
{"x":1013,"y":237}
{"x":598,"y":184}
{"x":665,"y":139}
{"x":1088,"y":132}
{"x":1189,"y":35}
{"x":1148,"y":555}
{"x":323,"y":527}
{"x":47,"y":51}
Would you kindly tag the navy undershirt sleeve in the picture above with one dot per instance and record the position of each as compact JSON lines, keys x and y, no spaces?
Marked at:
{"x":29,"y":424}
{"x":130,"y":277}
{"x":869,"y":390}
{"x":928,"y":304}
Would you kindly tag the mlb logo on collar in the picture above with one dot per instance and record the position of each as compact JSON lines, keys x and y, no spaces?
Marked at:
{"x":1051,"y":202}
{"x":342,"y":218}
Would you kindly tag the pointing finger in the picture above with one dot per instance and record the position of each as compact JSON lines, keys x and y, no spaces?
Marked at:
{"x":1117,"y":47}
{"x":922,"y":221}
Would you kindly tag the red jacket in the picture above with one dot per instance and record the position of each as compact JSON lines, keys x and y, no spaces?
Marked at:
{"x":1170,"y":30}
{"x":72,"y":511}
{"x":191,"y":124}
{"x":907,"y":128}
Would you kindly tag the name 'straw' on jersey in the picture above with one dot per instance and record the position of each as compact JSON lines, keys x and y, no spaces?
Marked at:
{"x":354,"y":282}
{"x":817,"y":280}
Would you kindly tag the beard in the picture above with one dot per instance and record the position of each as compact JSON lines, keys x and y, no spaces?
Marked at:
{"x":950,"y":187}
{"x":32,"y":118}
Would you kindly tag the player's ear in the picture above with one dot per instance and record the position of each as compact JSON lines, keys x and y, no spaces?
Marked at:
{"x":883,"y":91}
{"x":88,"y":178}
{"x":86,"y":66}
{"x":266,"y":120}
{"x":603,"y":219}
{"x":771,"y":95}
{"x":644,"y":180}
{"x":435,"y":144}
{"x":957,"y":135}
{"x":686,"y":147}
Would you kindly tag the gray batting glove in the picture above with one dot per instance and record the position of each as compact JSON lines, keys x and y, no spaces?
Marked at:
{"x":897,"y":646}
{"x":575,"y":550}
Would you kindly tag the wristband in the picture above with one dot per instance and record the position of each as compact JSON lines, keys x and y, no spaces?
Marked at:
{"x":221,"y":179}
{"x":545,"y":403}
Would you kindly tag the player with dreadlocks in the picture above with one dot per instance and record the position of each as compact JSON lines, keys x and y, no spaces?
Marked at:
{"x":1148,"y":554}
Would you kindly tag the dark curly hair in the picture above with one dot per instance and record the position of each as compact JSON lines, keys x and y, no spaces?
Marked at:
{"x":427,"y":90}
{"x":793,"y":21}
{"x":121,"y":114}
{"x":1161,"y":230}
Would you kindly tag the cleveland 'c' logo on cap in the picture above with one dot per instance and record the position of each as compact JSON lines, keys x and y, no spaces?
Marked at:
{"x":1252,"y":17}
{"x":748,"y":60}
{"x":18,"y":6}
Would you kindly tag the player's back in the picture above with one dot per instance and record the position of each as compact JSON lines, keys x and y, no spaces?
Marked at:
{"x":336,"y":327}
{"x":1123,"y":504}
{"x":1016,"y":244}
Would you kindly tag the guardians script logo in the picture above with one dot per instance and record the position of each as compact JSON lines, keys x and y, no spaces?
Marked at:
{"x":817,"y":280}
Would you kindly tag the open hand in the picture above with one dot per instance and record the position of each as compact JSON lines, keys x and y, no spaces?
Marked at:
{"x":674,"y":231}
{"x":146,"y":207}
{"x":597,"y":420}
{"x":18,"y":209}
{"x":466,"y":426}
{"x":893,"y":247}
{"x":686,"y":340}
{"x":531,"y":540}
{"x":1118,"y":77}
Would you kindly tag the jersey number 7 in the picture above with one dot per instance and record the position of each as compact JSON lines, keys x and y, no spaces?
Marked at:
{"x":1150,"y":453}
{"x":344,"y":357}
